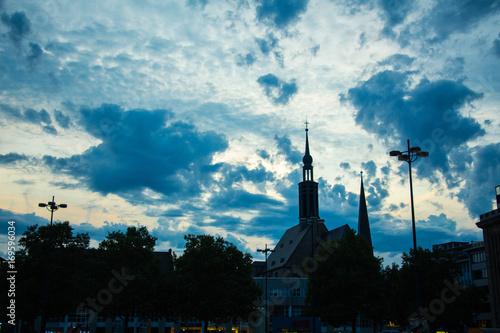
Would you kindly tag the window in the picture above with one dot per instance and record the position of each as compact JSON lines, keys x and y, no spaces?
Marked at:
{"x":296,"y":311}
{"x":273,"y":292}
{"x":479,"y":257}
{"x":282,"y":260}
{"x":284,"y":292}
{"x":296,"y":292}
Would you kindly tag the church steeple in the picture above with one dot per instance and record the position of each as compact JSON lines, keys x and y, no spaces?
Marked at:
{"x":308,"y":188}
{"x":307,"y":170}
{"x":363,"y":223}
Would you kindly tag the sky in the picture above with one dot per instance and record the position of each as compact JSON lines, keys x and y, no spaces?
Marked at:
{"x":188,"y":117}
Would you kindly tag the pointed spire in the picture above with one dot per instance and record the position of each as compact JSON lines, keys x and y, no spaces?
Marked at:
{"x":363,"y":223}
{"x":308,"y":188}
{"x":307,"y":159}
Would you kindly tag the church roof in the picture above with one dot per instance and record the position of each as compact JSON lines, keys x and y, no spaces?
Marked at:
{"x":288,"y":245}
{"x":336,"y":234}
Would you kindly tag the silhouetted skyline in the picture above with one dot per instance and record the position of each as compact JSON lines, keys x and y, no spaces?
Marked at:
{"x":188,"y":116}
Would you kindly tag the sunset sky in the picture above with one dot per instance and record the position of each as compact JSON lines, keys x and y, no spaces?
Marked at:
{"x":189,"y":116}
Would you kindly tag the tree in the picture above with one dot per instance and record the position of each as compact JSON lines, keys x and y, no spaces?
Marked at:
{"x":214,"y":281}
{"x":130,"y":255}
{"x":32,"y":263}
{"x":348,"y":282}
{"x":437,"y":272}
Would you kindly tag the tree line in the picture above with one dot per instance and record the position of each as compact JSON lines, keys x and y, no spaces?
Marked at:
{"x":212,"y":281}
{"x":351,"y":281}
{"x":123,"y":277}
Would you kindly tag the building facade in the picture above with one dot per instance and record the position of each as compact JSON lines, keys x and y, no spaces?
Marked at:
{"x":471,"y":259}
{"x":295,"y":257}
{"x":490,"y":224}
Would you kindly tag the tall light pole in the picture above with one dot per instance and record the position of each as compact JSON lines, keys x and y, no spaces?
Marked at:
{"x":266,"y":250}
{"x":410,"y":156}
{"x":51,"y":206}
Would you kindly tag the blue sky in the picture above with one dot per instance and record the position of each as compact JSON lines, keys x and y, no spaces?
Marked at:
{"x":188,"y":116}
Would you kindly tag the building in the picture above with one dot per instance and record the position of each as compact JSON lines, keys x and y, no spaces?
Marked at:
{"x":490,"y":224}
{"x":471,"y":258}
{"x":295,"y":256}
{"x":292,"y":255}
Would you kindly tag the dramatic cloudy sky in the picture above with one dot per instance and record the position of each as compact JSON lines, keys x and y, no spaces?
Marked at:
{"x":188,"y":116}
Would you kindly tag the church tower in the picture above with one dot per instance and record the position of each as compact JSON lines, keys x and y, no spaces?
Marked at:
{"x":363,"y":223}
{"x":308,"y":188}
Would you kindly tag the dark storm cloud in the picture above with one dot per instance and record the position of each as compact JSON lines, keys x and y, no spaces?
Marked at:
{"x":429,"y":114}
{"x":233,"y":174}
{"x":394,"y":13}
{"x":496,"y":47}
{"x":286,"y":149}
{"x":22,"y":221}
{"x":277,"y":90}
{"x":377,"y":192}
{"x":268,"y":44}
{"x":35,"y":53}
{"x":12,"y":158}
{"x":438,"y":22}
{"x":345,"y":166}
{"x":31,"y":116}
{"x":280,"y":13}
{"x":370,"y":167}
{"x":478,"y":193}
{"x":264,"y":154}
{"x":10,"y":111}
{"x":139,"y":151}
{"x":37,"y":117}
{"x":19,"y":24}
{"x":452,"y":16}
{"x":62,"y":120}
{"x":50,"y":130}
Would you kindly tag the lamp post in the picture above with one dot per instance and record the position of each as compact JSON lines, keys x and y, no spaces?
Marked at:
{"x":51,"y":206}
{"x":410,"y":156}
{"x":266,"y":250}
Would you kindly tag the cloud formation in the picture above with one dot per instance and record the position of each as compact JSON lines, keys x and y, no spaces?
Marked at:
{"x":139,"y":150}
{"x":429,"y":113}
{"x":19,"y":25}
{"x":483,"y":175}
{"x":278,"y":91}
{"x":280,"y":13}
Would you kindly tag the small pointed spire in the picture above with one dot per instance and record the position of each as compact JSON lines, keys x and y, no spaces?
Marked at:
{"x":363,"y":223}
{"x":307,"y":159}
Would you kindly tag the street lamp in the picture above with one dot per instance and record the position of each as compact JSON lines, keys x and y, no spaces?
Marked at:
{"x":410,"y":156}
{"x":266,"y":250}
{"x":51,"y":206}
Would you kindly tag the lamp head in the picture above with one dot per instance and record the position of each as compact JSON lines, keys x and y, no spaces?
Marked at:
{"x":395,"y":153}
{"x":403,"y":158}
{"x":42,"y":205}
{"x":63,"y":206}
{"x":415,"y":150}
{"x":423,"y":154}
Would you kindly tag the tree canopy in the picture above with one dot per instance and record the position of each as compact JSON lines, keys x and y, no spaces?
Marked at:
{"x":348,"y":282}
{"x":214,"y":280}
